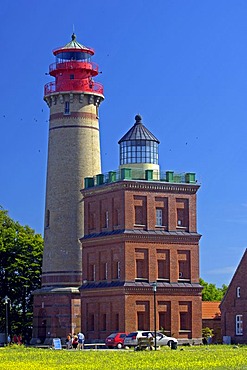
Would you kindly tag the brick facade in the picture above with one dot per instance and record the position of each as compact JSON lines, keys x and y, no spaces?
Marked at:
{"x":127,"y":246}
{"x":56,"y":312}
{"x":234,"y":305}
{"x":211,"y":318}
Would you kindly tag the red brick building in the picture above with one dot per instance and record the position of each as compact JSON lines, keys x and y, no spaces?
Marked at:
{"x":234,"y":305}
{"x":211,"y":318}
{"x":140,"y":228}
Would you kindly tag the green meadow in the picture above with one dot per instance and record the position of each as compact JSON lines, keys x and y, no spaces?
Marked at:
{"x":195,"y":357}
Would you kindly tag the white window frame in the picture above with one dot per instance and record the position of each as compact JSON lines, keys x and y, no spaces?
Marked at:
{"x":106,"y":219}
{"x":118,"y":269}
{"x":239,"y":324}
{"x":159,"y":217}
{"x":106,"y":271}
{"x":238,"y":292}
{"x":94,"y":272}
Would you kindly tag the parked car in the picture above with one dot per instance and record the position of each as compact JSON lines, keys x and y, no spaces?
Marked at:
{"x":161,"y":339}
{"x":115,"y":340}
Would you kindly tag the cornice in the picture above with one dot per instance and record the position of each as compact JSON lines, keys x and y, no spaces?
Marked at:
{"x":147,"y":236}
{"x":172,"y":289}
{"x":142,"y":185}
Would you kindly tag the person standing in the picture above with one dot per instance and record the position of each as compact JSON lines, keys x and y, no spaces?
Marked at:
{"x":81,"y":339}
{"x":150,"y":341}
{"x":9,"y":339}
{"x":15,"y":339}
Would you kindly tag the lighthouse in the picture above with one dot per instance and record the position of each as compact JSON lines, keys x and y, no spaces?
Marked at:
{"x":73,"y":98}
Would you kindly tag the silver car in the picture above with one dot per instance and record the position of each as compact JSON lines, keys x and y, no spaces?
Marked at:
{"x":161,"y":339}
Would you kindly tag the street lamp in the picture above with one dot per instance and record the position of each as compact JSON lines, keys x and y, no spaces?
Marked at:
{"x":6,"y":301}
{"x":154,"y":286}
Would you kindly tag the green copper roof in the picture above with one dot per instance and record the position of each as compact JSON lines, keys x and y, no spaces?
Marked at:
{"x":138,"y":132}
{"x":73,"y":44}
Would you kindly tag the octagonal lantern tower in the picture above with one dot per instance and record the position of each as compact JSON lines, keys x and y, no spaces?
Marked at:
{"x":73,"y":154}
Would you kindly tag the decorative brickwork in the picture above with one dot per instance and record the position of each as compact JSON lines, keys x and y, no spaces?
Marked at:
{"x":122,"y":258}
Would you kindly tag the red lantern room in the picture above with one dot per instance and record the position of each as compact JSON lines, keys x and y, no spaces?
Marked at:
{"x":73,"y":70}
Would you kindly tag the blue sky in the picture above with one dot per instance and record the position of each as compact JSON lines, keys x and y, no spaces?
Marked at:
{"x":181,"y":64}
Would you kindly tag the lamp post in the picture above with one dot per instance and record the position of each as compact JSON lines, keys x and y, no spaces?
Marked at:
{"x":154,"y":286}
{"x":6,"y":301}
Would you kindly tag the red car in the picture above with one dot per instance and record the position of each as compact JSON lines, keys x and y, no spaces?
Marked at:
{"x":115,"y":340}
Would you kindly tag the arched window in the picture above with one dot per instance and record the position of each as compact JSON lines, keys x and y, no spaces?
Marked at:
{"x":238,"y":292}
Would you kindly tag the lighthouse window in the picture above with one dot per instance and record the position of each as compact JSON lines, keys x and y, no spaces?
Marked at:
{"x":72,"y":56}
{"x":72,"y":77}
{"x":66,"y":108}
{"x":138,"y":151}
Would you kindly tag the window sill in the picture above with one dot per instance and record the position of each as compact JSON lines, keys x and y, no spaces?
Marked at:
{"x":163,"y":279}
{"x":181,"y":227}
{"x":184,"y":331}
{"x":184,"y":280}
{"x":140,"y":227}
{"x":141,"y":279}
{"x":160,"y":227}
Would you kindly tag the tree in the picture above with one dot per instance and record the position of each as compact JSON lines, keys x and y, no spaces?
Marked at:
{"x":21,"y":253}
{"x":211,"y":293}
{"x":207,"y":332}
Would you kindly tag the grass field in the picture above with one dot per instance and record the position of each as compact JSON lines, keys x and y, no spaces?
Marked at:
{"x":197,"y":357}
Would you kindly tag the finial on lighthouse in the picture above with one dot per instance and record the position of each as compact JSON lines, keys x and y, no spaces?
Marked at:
{"x":138,"y":119}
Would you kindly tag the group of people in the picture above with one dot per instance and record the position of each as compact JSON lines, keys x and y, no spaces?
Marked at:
{"x":75,"y":341}
{"x":16,"y":339}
